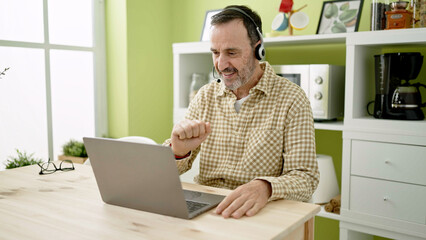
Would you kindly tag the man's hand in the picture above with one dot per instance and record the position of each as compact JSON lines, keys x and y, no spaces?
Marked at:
{"x":187,"y":135}
{"x":247,"y":199}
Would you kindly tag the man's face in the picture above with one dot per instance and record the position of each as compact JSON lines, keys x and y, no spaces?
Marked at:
{"x":233,"y":56}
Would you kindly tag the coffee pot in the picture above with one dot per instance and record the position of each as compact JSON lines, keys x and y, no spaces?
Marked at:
{"x":396,"y":97}
{"x":407,"y":97}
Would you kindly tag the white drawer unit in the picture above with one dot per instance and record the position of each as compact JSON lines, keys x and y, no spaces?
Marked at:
{"x":388,"y":199}
{"x":397,"y":162}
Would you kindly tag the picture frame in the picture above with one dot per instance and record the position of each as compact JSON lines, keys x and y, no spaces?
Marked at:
{"x":340,"y":16}
{"x":205,"y":33}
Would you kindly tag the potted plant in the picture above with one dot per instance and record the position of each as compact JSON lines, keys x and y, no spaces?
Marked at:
{"x":75,"y":151}
{"x":3,"y":72}
{"x":23,"y":159}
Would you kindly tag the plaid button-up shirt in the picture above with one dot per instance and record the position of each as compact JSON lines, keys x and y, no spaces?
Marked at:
{"x":271,"y":138}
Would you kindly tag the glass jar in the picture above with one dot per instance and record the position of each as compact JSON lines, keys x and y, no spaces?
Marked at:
{"x":415,"y":6}
{"x":198,"y":80}
{"x":378,"y":16}
{"x":422,"y":13}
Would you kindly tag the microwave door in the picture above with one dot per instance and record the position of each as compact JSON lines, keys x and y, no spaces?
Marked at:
{"x":293,"y":77}
{"x":298,"y":74}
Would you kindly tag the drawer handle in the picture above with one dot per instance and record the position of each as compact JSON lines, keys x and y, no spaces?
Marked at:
{"x":387,"y":162}
{"x":385,"y":198}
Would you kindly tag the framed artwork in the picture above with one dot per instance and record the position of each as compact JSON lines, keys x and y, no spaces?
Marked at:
{"x":340,"y":16}
{"x":205,"y":34}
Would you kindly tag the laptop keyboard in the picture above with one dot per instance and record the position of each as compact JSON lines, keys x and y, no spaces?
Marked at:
{"x":194,"y":206}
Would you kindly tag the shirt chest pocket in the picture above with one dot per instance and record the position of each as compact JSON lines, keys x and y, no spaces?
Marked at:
{"x":263,"y":154}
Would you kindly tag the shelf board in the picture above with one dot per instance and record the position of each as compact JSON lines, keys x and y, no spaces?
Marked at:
{"x":389,"y":37}
{"x":191,"y":47}
{"x":306,"y":39}
{"x":336,"y":126}
{"x":388,"y":126}
{"x":384,"y":37}
{"x":204,"y":47}
{"x":328,"y":215}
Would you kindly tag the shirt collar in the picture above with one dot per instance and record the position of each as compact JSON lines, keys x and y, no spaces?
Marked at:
{"x":262,"y":85}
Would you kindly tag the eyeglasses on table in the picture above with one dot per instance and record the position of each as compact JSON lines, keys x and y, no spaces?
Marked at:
{"x":50,"y":167}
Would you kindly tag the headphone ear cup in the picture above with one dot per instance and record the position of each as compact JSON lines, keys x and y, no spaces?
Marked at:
{"x":259,"y":52}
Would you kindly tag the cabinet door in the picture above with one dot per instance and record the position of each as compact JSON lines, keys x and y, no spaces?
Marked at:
{"x":388,"y":199}
{"x":398,"y":162}
{"x":23,"y":118}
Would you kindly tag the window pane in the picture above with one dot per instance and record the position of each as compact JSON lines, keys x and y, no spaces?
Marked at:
{"x":73,"y":101}
{"x":21,"y":20}
{"x":70,"y":22}
{"x":23,"y":123}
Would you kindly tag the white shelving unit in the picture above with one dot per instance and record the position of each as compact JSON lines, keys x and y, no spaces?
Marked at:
{"x":377,"y":137}
{"x":383,"y":188}
{"x":360,"y":50}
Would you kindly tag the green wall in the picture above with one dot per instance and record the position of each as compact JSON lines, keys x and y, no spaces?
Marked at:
{"x":189,"y":16}
{"x":139,"y":68}
{"x":116,"y":44}
{"x":139,"y":55}
{"x":150,"y":68}
{"x":139,"y":37}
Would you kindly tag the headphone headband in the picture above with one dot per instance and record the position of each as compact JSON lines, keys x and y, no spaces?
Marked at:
{"x":245,"y":14}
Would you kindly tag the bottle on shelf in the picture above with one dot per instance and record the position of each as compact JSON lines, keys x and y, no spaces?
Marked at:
{"x":415,"y":9}
{"x":378,"y":16}
{"x":198,"y":80}
{"x":422,"y":13}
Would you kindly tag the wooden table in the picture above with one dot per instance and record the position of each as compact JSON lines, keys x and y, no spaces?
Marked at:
{"x":67,"y":205}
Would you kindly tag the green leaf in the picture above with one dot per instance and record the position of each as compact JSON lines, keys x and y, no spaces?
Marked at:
{"x":348,"y":15}
{"x":331,"y":11}
{"x":344,"y":6}
{"x":23,"y":159}
{"x":338,"y":27}
{"x":74,"y":148}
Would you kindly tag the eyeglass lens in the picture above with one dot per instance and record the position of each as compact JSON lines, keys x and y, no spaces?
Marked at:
{"x":50,"y":167}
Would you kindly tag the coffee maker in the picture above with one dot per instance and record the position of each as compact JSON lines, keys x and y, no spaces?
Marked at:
{"x":395,"y":97}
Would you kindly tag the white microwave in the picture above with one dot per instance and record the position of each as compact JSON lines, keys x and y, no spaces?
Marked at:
{"x":323,"y":84}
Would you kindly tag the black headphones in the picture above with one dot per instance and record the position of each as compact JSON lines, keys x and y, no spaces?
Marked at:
{"x":259,"y":51}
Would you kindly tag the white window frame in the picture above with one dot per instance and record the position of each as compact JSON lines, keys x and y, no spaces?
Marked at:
{"x":99,"y":65}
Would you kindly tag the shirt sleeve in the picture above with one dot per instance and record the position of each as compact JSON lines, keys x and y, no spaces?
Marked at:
{"x":185,"y":164}
{"x":300,"y":175}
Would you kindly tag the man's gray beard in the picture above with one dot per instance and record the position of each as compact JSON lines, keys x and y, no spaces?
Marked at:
{"x":242,"y":80}
{"x":237,"y":84}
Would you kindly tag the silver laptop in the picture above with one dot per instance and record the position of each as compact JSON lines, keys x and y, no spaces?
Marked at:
{"x":144,"y":177}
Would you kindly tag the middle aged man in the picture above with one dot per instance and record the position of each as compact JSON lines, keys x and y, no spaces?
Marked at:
{"x":252,"y":129}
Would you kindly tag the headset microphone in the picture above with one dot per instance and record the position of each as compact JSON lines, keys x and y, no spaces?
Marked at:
{"x":217,"y":79}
